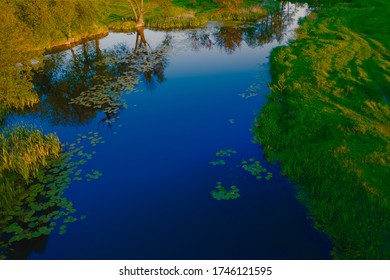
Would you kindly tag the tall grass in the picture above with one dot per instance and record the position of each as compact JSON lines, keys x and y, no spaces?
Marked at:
{"x":23,"y":152}
{"x":327,"y":122}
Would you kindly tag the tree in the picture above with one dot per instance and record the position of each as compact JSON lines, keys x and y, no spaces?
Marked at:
{"x":137,"y":7}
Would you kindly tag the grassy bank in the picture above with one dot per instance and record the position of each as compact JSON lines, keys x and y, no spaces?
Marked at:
{"x":327,"y":122}
{"x":183,"y":13}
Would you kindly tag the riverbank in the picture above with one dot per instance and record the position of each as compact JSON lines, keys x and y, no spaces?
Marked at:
{"x":327,"y":124}
{"x":184,"y":14}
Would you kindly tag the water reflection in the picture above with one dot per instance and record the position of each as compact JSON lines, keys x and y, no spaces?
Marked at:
{"x":229,"y":37}
{"x":24,"y":248}
{"x":75,"y":85}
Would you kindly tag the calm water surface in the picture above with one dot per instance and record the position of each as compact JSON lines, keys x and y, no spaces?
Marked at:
{"x":153,"y":201}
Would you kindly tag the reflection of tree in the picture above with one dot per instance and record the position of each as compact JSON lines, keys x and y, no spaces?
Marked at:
{"x":74,"y":86}
{"x":62,"y":78}
{"x":200,"y":39}
{"x":128,"y":65}
{"x":229,"y":38}
{"x":272,"y":27}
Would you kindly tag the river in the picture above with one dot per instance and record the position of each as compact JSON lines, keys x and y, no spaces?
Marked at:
{"x":165,"y":103}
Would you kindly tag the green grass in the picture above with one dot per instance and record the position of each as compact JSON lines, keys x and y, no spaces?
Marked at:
{"x":23,"y":153}
{"x":180,"y":14}
{"x":327,"y":122}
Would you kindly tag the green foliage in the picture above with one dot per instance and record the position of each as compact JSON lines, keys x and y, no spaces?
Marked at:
{"x":223,"y":194}
{"x":229,"y":4}
{"x":24,"y":151}
{"x":187,"y":14}
{"x":327,"y":123}
{"x":15,"y":62}
{"x":53,"y":21}
{"x":38,"y":206}
{"x":27,"y":26}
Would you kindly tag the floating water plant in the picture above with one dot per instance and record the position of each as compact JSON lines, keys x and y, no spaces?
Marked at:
{"x":127,"y":65}
{"x":39,"y":206}
{"x":252,"y":91}
{"x":225,"y":153}
{"x":256,"y":169}
{"x":222,"y":194}
{"x":252,"y":166}
{"x":218,"y":162}
{"x":94,"y":175}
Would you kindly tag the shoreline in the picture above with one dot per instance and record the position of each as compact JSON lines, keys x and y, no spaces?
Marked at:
{"x":129,"y":26}
{"x":328,"y":127}
{"x":75,"y":42}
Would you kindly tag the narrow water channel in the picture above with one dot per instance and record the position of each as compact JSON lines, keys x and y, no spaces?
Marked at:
{"x":176,"y":100}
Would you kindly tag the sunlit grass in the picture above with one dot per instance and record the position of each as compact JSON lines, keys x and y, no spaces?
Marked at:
{"x":328,"y":124}
{"x":24,"y":151}
{"x":181,"y":14}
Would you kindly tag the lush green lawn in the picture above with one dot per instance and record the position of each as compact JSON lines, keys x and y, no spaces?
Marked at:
{"x":328,"y":123}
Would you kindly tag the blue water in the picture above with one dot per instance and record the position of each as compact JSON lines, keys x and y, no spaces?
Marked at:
{"x":153,"y":200}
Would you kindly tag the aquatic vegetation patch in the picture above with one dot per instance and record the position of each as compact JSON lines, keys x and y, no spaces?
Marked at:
{"x":218,"y":162}
{"x":252,"y":91}
{"x":225,"y":153}
{"x":252,"y":166}
{"x":94,"y":175}
{"x":256,"y":169}
{"x":128,"y":65}
{"x":38,"y":205}
{"x":223,"y":194}
{"x":222,"y":153}
{"x":92,"y":137}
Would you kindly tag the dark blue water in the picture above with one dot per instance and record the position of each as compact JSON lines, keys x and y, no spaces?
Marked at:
{"x":153,"y":200}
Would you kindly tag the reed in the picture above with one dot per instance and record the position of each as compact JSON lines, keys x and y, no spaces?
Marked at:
{"x":24,"y":151}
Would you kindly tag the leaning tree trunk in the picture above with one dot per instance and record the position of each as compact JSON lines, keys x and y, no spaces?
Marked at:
{"x":141,"y":40}
{"x":138,"y":11}
{"x":140,"y":22}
